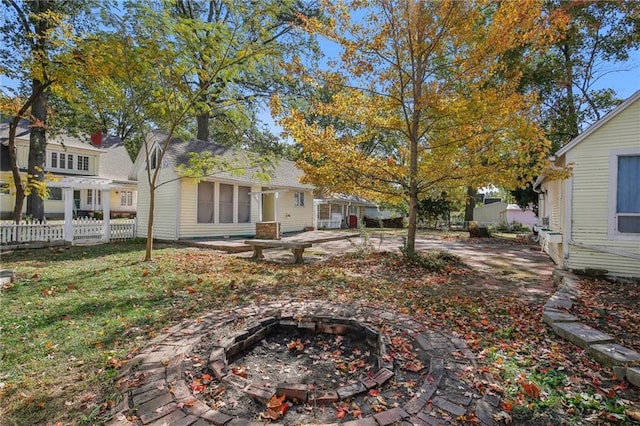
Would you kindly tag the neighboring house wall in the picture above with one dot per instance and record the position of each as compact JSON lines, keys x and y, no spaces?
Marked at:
{"x":583,"y":208}
{"x":216,"y":206}
{"x":488,"y":214}
{"x":295,"y":218}
{"x":514,"y":213}
{"x":68,"y":156}
{"x":189,"y":226}
{"x":593,"y":184}
{"x":166,"y":201}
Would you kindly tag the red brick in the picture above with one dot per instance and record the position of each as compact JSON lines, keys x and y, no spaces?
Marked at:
{"x":382,"y":376}
{"x":390,"y":417}
{"x":324,"y":397}
{"x":369,"y":383}
{"x":293,"y":391}
{"x":261,"y":394}
{"x":219,"y":369}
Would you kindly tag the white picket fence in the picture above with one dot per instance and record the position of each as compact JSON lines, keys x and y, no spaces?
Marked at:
{"x":84,"y":230}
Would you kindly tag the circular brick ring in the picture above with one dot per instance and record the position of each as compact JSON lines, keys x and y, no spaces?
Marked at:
{"x":155,"y":391}
{"x":237,"y":343}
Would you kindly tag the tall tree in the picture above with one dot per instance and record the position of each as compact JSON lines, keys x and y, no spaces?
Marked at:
{"x":432,"y":99}
{"x":598,"y":38}
{"x":35,"y":52}
{"x":149,"y":58}
{"x":270,"y":27}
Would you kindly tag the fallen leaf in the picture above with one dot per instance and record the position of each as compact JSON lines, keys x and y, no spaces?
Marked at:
{"x":531,"y":390}
{"x":633,"y":414}
{"x":276,"y":407}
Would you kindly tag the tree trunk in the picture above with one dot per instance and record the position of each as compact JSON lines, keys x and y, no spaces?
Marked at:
{"x":152,"y":202}
{"x":572,"y":116}
{"x":469,"y":204}
{"x":37,"y":151}
{"x":39,"y":90}
{"x":203,"y":127}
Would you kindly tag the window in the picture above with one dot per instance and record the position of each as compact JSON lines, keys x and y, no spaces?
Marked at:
{"x":94,"y":195}
{"x":205,"y":202}
{"x":226,"y":203}
{"x":54,"y":160}
{"x":70,"y":161}
{"x":244,"y":204}
{"x":154,"y":157}
{"x":627,"y":220}
{"x":55,"y":193}
{"x":298,"y":199}
{"x":324,"y":211}
{"x":63,"y":160}
{"x":83,"y":162}
{"x":126,"y":198}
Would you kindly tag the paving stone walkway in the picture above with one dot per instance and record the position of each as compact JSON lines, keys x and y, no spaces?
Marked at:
{"x":155,"y":390}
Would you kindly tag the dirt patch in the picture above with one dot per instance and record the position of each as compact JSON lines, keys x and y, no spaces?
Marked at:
{"x":611,"y":307}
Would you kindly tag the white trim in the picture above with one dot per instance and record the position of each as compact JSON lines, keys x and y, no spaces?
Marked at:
{"x":612,"y":232}
{"x":568,"y":215}
{"x":178,"y":208}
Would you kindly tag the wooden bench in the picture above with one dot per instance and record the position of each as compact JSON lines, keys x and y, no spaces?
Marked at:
{"x":297,"y":248}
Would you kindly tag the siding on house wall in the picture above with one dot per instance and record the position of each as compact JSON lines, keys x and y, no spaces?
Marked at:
{"x":554,"y":209}
{"x":488,"y":214}
{"x":189,"y":226}
{"x":166,"y":201}
{"x":591,"y":191}
{"x":295,"y":218}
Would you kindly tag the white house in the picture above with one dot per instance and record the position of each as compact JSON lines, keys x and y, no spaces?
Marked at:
{"x":223,"y":204}
{"x":334,"y":211}
{"x":501,"y":212}
{"x":100,"y":159}
{"x":591,"y":220}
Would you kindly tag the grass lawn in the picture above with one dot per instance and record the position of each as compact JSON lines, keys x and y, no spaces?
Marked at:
{"x":75,"y":315}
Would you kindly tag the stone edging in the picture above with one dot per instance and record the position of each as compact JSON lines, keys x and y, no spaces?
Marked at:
{"x":600,"y":346}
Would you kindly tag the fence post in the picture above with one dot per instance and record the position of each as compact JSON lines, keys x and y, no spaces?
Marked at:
{"x":106,"y":214}
{"x":68,"y":214}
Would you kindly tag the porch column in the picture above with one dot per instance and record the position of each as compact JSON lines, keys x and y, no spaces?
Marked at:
{"x":106,"y":215}
{"x":67,"y":196}
{"x":258,"y":198}
{"x":275,"y":207}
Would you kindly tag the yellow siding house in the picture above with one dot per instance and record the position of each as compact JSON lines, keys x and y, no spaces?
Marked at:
{"x":591,"y":220}
{"x":102,"y":158}
{"x":223,"y":204}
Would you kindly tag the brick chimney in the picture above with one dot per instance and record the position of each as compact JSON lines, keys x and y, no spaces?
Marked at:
{"x":96,"y":139}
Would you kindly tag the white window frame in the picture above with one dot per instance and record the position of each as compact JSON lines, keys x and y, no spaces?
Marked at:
{"x":212,"y":203}
{"x":98,"y":196}
{"x":613,"y":233}
{"x":126,"y":198}
{"x":83,"y":163}
{"x":298,"y":199}
{"x":53,"y":158}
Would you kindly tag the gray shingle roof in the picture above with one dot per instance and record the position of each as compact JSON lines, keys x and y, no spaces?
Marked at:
{"x":60,"y":138}
{"x":285,"y":173}
{"x":115,"y":162}
{"x":346,"y":198}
